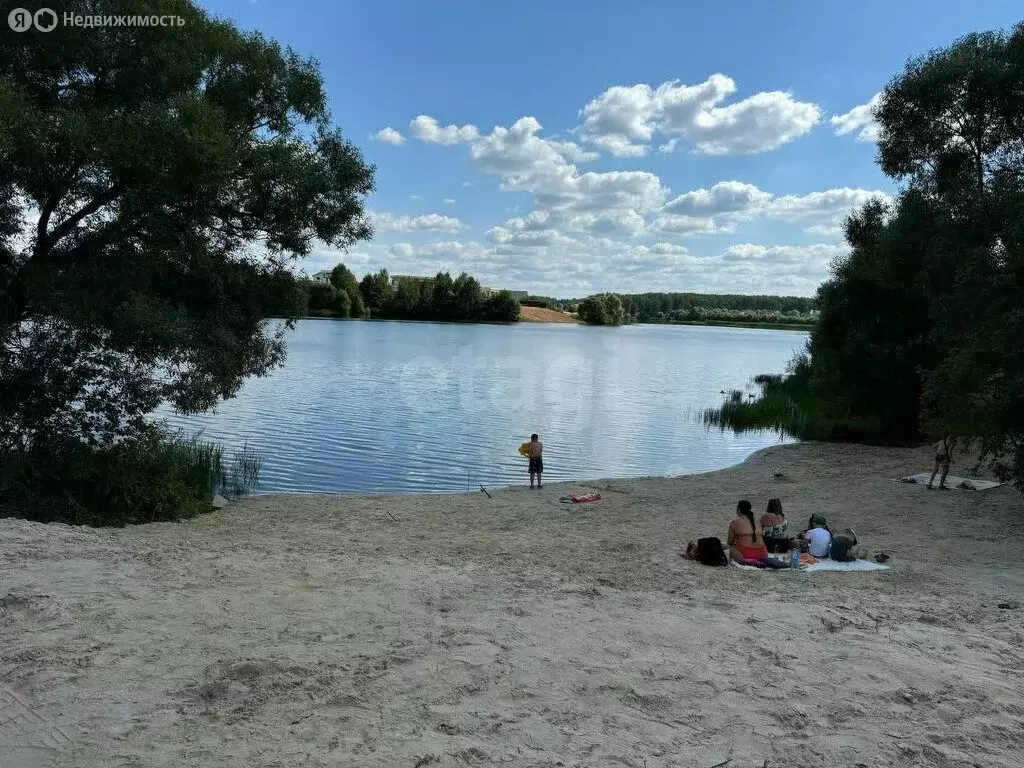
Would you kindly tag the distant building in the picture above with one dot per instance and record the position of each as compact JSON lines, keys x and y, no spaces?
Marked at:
{"x":322,"y":277}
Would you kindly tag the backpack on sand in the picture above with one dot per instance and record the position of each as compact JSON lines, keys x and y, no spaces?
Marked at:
{"x":710,"y":551}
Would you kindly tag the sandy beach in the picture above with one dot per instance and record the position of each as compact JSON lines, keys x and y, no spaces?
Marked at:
{"x":461,"y":630}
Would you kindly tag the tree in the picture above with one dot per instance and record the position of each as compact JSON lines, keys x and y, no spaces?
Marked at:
{"x":408,"y":298}
{"x":443,"y":298}
{"x":376,"y":291}
{"x":920,"y":326}
{"x":467,"y":298}
{"x":345,"y":282}
{"x":602,"y":309}
{"x":502,"y":307}
{"x":322,"y":296}
{"x":154,"y":184}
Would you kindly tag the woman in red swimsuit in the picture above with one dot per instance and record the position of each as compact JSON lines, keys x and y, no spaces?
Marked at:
{"x":746,"y":541}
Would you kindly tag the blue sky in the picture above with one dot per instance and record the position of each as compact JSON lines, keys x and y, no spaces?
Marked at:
{"x":572,"y":147}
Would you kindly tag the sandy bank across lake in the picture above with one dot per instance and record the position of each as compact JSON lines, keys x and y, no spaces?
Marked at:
{"x":457,"y":630}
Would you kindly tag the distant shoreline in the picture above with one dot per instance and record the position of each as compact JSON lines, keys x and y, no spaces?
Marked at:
{"x":722,"y":324}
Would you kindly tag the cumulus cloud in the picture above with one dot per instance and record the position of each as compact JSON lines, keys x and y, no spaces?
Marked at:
{"x":430,"y":222}
{"x":389,"y":136}
{"x":859,"y":120}
{"x":814,"y":257}
{"x":723,"y":197}
{"x":449,"y":201}
{"x":674,"y":224}
{"x":627,"y":222}
{"x":427,"y":129}
{"x":723,"y":207}
{"x":624,"y":119}
{"x":821,"y":212}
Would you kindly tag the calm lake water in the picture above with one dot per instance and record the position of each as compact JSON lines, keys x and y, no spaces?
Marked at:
{"x":417,"y":407}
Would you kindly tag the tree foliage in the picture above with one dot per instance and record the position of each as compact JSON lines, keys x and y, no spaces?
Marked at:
{"x":460,"y":299}
{"x":679,"y":307}
{"x":920,"y":326}
{"x":154,"y":184}
{"x":602,"y":309}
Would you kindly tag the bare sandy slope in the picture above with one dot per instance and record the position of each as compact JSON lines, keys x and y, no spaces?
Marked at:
{"x":542,"y":315}
{"x":318,"y":631}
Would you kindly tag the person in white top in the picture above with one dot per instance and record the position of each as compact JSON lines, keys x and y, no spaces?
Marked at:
{"x":818,"y":537}
{"x":819,"y":542}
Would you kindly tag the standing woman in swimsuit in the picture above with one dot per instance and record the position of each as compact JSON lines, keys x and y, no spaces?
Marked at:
{"x":745,"y":541}
{"x":943,"y":458}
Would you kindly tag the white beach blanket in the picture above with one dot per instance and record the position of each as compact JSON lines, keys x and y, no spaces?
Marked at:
{"x":834,"y":565}
{"x":825,"y":565}
{"x":952,"y":481}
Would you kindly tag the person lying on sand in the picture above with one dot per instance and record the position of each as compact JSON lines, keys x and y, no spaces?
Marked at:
{"x":842,"y":547}
{"x":745,"y":539}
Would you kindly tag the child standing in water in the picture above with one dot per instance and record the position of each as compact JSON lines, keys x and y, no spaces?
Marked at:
{"x":536,"y":459}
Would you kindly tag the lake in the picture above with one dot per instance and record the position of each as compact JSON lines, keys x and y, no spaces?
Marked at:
{"x":421,"y":407}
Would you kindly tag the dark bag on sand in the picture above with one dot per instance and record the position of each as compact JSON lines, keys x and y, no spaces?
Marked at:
{"x":710,"y":552}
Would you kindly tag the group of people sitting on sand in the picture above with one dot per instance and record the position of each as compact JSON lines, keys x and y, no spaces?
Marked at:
{"x":751,"y":541}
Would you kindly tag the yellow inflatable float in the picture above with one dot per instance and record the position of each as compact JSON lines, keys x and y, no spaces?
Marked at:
{"x":524,"y":450}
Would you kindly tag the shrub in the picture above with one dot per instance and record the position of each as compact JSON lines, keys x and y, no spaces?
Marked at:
{"x":148,"y":478}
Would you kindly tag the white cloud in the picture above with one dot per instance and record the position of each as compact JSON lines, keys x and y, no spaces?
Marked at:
{"x":627,"y":222}
{"x":824,"y":230}
{"x":536,"y":238}
{"x":387,"y":222}
{"x":724,"y":206}
{"x":449,"y":201}
{"x":860,"y":119}
{"x":467,"y":183}
{"x":624,"y":119}
{"x":815,"y":258}
{"x":673,"y":224}
{"x":415,"y":197}
{"x":390,"y":136}
{"x":529,"y":163}
{"x":723,"y":197}
{"x":427,"y":129}
{"x":532,"y":221}
{"x":821,"y":212}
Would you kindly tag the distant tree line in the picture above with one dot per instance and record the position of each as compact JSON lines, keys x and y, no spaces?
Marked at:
{"x":710,"y":308}
{"x":441,"y":297}
{"x":681,"y":307}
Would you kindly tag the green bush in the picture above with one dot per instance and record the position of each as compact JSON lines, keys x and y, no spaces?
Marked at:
{"x":151,"y":478}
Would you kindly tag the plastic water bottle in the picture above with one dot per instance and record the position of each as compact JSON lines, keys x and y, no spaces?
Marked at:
{"x":794,"y":558}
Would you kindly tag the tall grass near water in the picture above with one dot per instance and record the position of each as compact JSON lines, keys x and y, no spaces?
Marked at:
{"x":153,"y":477}
{"x":787,"y":406}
